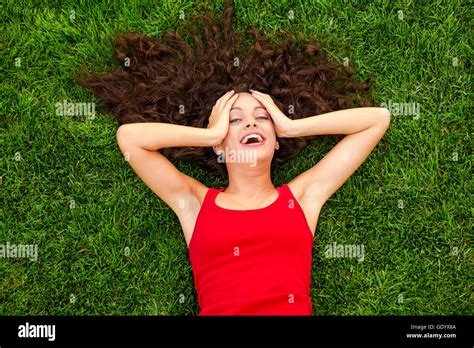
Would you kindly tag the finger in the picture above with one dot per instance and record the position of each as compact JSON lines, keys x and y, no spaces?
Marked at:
{"x":222,"y":97}
{"x":223,"y":106}
{"x":264,"y":99}
{"x":230,"y":102}
{"x":227,"y":94}
{"x":225,"y":97}
{"x":257,"y":92}
{"x":260,"y":94}
{"x":260,"y":99}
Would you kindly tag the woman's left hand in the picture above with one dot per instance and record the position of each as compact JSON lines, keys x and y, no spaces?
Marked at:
{"x":281,"y":122}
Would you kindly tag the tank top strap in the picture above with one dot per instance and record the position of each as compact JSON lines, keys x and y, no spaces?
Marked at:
{"x":286,"y":196}
{"x":211,"y":195}
{"x":285,"y":192}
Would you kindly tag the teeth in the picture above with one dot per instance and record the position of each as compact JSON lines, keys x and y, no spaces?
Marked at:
{"x":258,"y":137}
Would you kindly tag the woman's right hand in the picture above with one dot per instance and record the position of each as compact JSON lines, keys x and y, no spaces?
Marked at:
{"x":219,"y":119}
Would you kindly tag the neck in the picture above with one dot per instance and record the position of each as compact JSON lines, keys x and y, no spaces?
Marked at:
{"x":246,"y":181}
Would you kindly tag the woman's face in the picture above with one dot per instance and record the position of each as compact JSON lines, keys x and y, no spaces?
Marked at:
{"x":247,"y":116}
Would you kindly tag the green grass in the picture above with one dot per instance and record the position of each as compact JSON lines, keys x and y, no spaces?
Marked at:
{"x":418,"y":258}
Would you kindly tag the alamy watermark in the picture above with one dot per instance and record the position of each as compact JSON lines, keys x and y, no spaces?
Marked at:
{"x":238,"y":156}
{"x":345,"y":250}
{"x":29,"y":251}
{"x":37,"y":331}
{"x":402,"y":109}
{"x":66,"y":108}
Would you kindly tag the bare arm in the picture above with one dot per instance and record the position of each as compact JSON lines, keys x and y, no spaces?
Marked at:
{"x":347,"y":121}
{"x":153,"y":136}
{"x":139,"y":143}
{"x":364,"y":128}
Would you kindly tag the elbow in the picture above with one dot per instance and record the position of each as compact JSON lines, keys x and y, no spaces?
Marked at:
{"x":121,"y":131}
{"x":123,"y":134}
{"x":384,"y":119}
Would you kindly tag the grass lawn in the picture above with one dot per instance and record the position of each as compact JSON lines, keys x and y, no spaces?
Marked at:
{"x":108,"y":245}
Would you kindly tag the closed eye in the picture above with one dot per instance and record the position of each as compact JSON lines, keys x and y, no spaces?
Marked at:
{"x":238,"y":119}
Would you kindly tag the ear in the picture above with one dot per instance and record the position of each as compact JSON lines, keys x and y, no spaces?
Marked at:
{"x":277,"y":145}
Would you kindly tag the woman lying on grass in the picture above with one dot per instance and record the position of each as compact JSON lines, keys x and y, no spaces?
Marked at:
{"x":250,"y":243}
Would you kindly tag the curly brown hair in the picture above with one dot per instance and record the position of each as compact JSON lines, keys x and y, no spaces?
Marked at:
{"x":169,"y":80}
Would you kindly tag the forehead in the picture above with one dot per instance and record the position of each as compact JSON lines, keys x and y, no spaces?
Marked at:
{"x":245,"y":102}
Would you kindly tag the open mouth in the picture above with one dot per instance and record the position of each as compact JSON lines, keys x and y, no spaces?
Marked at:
{"x":253,"y":138}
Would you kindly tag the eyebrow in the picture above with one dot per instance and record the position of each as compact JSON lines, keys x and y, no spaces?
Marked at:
{"x":255,"y":108}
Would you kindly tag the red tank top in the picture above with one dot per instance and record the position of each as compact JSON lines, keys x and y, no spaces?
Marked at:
{"x":252,"y":262}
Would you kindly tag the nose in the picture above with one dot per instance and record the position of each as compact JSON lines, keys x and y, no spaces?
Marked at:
{"x":248,"y":125}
